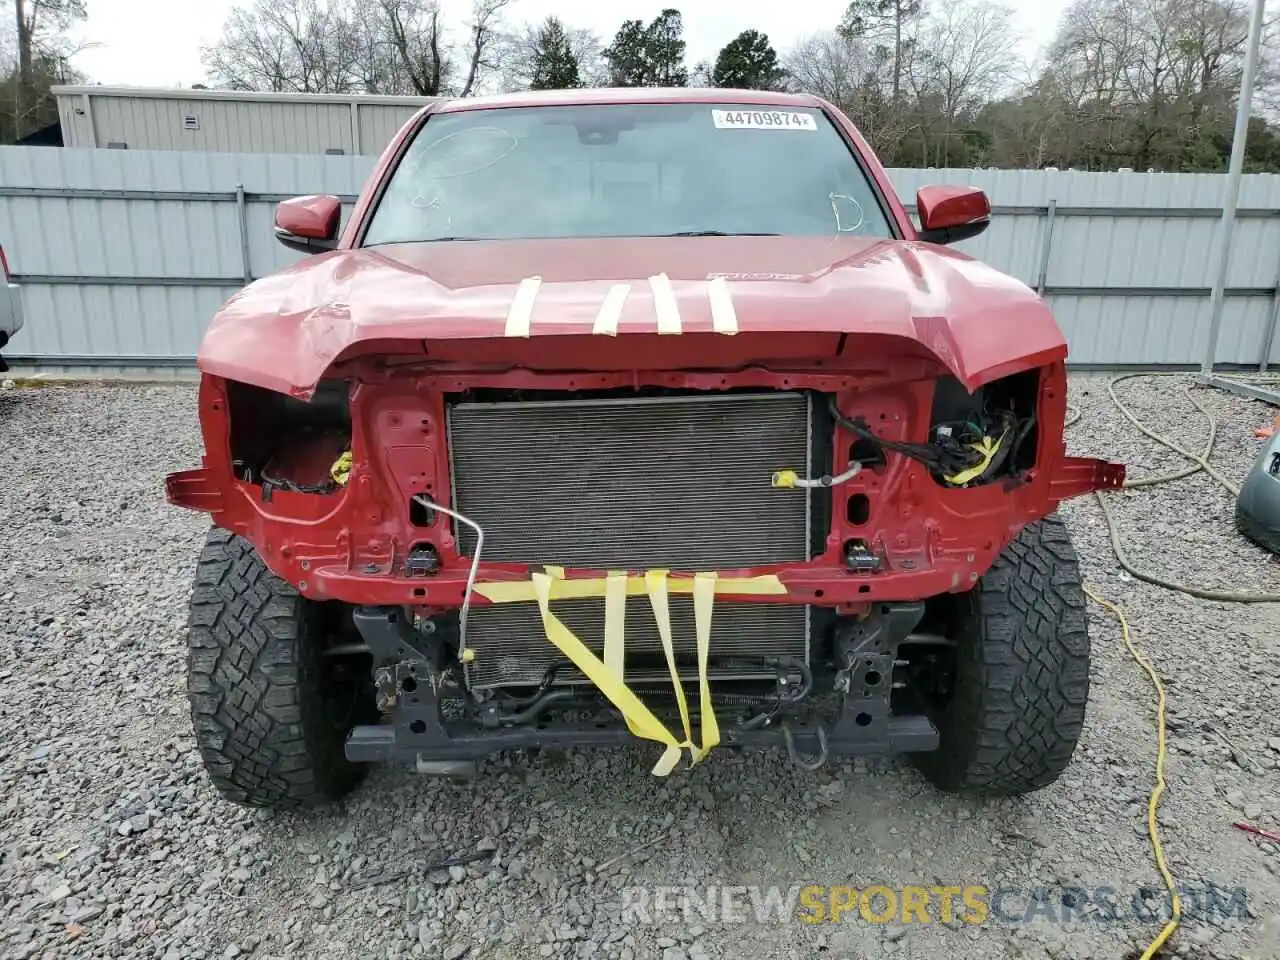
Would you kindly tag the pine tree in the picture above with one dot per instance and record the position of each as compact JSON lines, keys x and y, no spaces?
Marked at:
{"x":555,"y":66}
{"x":649,"y":56}
{"x":666,"y":50}
{"x":628,"y":56}
{"x":748,"y":62}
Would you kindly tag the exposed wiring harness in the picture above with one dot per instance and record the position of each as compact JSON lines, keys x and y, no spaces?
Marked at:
{"x":786,"y":694}
{"x":339,"y":474}
{"x":271,"y":484}
{"x":960,"y":453}
{"x":945,"y":457}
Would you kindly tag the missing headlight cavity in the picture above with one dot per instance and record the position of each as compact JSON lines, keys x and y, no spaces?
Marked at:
{"x":974,"y":439}
{"x":284,"y":443}
{"x":993,"y":432}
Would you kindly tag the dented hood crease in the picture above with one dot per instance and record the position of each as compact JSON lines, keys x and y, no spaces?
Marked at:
{"x":283,"y":332}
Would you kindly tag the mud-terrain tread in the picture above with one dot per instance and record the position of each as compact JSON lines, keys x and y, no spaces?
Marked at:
{"x":1022,"y":673}
{"x":1268,"y":538}
{"x":253,"y":682}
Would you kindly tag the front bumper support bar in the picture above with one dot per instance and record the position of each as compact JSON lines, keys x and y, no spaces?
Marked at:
{"x":413,"y":674}
{"x":463,"y":741}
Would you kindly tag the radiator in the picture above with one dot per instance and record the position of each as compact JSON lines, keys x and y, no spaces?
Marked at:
{"x":681,"y":483}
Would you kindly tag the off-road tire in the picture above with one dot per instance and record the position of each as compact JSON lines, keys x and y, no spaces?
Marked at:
{"x":1021,"y":680}
{"x":257,"y":685}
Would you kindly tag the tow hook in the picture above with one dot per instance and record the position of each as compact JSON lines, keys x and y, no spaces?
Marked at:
{"x":798,"y":758}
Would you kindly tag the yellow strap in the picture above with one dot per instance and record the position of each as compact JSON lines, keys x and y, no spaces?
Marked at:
{"x":640,"y":720}
{"x":609,"y":674}
{"x":657,"y":582}
{"x":704,"y":598}
{"x":585,"y":588}
{"x":615,"y":617}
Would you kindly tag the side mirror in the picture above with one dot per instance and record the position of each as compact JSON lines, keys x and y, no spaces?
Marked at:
{"x":951,"y":214}
{"x":308,"y":224}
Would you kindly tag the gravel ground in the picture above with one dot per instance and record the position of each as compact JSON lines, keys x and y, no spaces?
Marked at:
{"x":113,"y":844}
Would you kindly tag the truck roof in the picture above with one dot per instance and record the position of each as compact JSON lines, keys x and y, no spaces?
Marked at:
{"x":600,"y":95}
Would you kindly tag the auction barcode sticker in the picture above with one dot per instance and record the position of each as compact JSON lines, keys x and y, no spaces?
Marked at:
{"x":763,"y":120}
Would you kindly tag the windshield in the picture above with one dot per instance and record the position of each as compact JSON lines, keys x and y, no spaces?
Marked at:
{"x":626,"y":170}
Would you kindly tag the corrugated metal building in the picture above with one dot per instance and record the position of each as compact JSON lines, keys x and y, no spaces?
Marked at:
{"x":230,"y":121}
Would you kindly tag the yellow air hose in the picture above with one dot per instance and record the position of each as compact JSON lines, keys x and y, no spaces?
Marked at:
{"x":1153,"y":803}
{"x":1199,"y":462}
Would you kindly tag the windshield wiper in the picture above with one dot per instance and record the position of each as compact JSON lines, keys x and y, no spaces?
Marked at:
{"x":716,"y":233}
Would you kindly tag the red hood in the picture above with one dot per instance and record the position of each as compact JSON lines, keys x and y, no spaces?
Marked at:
{"x":282,"y":332}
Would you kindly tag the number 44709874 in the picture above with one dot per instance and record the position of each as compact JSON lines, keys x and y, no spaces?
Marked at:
{"x":763,"y":120}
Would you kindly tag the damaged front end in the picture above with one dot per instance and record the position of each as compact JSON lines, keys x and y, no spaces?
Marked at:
{"x":746,"y":557}
{"x":435,"y":723}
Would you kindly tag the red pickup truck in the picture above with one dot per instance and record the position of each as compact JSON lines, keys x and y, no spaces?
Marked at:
{"x":634,"y":413}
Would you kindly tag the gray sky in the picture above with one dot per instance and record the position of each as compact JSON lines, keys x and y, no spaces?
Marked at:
{"x":157,"y":42}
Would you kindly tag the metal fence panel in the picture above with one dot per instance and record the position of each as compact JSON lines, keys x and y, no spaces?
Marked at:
{"x":1157,"y":331}
{"x":96,"y":322}
{"x":1130,"y":283}
{"x":124,"y":255}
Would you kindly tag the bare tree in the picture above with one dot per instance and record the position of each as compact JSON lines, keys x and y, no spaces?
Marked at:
{"x":407,"y":47}
{"x":342,"y":46}
{"x":40,"y":24}
{"x":1124,"y":83}
{"x":847,"y":71}
{"x":830,"y":65}
{"x":959,"y":61}
{"x":483,"y":39}
{"x":963,"y":56}
{"x":593,"y":68}
{"x":301,"y":46}
{"x":1152,"y":83}
{"x":41,"y":51}
{"x":888,"y":24}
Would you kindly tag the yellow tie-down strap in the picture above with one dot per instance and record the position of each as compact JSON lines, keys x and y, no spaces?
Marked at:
{"x":607,"y":673}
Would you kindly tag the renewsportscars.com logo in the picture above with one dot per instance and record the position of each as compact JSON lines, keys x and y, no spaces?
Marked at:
{"x":974,"y":904}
